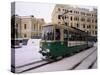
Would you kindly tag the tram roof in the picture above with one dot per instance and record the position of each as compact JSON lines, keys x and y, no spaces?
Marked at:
{"x":73,"y":29}
{"x":48,"y":25}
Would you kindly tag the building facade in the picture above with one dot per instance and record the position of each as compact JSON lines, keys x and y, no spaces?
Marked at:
{"x":81,"y":18}
{"x":27,"y":27}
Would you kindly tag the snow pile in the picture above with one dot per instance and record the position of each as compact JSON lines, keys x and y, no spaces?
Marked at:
{"x":33,"y":42}
{"x":28,"y":54}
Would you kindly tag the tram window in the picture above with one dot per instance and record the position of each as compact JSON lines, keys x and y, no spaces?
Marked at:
{"x":47,"y":33}
{"x":48,"y":36}
{"x":71,"y":36}
{"x":74,"y":36}
{"x":57,"y":34}
{"x":65,"y":35}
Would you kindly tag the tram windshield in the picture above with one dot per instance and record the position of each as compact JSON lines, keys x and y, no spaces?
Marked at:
{"x":57,"y":34}
{"x":48,"y":33}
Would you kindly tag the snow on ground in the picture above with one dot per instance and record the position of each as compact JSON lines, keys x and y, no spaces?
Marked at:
{"x":64,"y":64}
{"x":27,"y":54}
{"x":95,"y":65}
{"x":85,"y":64}
{"x":96,"y":44}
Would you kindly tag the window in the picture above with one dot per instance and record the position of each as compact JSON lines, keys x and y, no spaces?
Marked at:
{"x":59,"y":16}
{"x":34,"y":26}
{"x":70,"y":11}
{"x":95,"y":32}
{"x":66,"y":24}
{"x":16,"y":25}
{"x":66,"y":10}
{"x":76,"y":12}
{"x":71,"y":18}
{"x":58,"y":9}
{"x":76,"y":18}
{"x":63,"y":9}
{"x":77,"y":25}
{"x":24,"y":26}
{"x":95,"y":27}
{"x":89,"y":26}
{"x":96,"y":21}
{"x":82,"y":19}
{"x":92,"y":15}
{"x":83,"y":25}
{"x":63,"y":17}
{"x":88,"y":14}
{"x":88,"y":20}
{"x":82,"y":13}
{"x":92,"y":20}
{"x":25,"y":35}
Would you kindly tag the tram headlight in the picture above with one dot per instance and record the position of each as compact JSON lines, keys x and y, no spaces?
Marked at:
{"x":48,"y":50}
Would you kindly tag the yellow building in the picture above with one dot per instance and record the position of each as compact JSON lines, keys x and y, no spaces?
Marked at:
{"x":28,"y":27}
{"x":81,"y":18}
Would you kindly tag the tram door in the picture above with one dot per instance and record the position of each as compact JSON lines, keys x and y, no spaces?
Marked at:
{"x":66,"y":37}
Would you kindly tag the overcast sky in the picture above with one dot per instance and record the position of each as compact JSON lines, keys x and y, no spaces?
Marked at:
{"x":39,"y":10}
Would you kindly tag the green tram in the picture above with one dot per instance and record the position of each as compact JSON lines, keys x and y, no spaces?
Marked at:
{"x":59,"y":41}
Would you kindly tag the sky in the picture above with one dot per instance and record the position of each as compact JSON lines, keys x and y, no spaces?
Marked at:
{"x":39,"y":10}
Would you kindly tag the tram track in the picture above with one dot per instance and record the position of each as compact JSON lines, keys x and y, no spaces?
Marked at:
{"x":90,"y":66}
{"x":30,"y":66}
{"x":26,"y":64}
{"x":35,"y":67}
{"x":76,"y":65}
{"x":27,"y":67}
